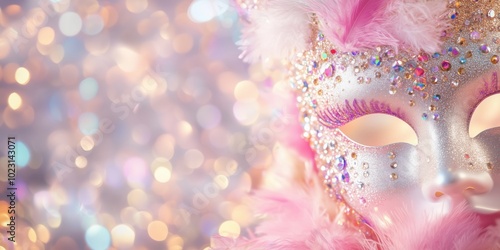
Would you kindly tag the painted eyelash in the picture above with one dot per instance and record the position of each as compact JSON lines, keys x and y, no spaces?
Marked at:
{"x":489,"y":87}
{"x":334,"y":117}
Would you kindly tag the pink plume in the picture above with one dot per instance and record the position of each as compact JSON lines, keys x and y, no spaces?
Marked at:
{"x":364,"y":24}
{"x":458,"y":229}
{"x":277,"y":30}
{"x":353,"y":24}
{"x":296,"y":219}
{"x":417,"y":24}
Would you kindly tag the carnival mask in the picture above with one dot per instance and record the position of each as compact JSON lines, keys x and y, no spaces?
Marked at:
{"x":429,"y":65}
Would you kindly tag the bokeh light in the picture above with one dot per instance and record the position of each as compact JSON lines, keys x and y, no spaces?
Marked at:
{"x":22,"y":76}
{"x":133,"y":122}
{"x":97,"y":237}
{"x":14,"y":101}
{"x":70,"y":24}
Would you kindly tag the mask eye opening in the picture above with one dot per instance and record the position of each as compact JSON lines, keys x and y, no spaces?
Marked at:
{"x":375,"y":130}
{"x":486,"y":115}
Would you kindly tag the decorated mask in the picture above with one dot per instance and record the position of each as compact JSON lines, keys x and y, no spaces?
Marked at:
{"x":428,"y":65}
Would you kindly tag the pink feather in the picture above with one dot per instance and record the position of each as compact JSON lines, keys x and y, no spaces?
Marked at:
{"x":417,"y":24}
{"x":353,"y":24}
{"x":296,"y":219}
{"x":414,"y":230}
{"x":277,"y":30}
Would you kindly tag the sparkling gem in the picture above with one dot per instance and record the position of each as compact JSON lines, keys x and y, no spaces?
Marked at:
{"x":392,"y":90}
{"x":423,"y":57}
{"x":356,"y":69}
{"x":432,"y":107}
{"x":494,"y":59}
{"x":333,"y":51}
{"x":436,"y":55}
{"x":461,"y":71}
{"x":436,"y":97}
{"x":468,"y":54}
{"x":434,"y":80}
{"x":395,"y":81}
{"x":489,"y":166}
{"x":410,"y":91}
{"x":419,"y":71}
{"x":338,"y":79}
{"x":315,"y":64}
{"x":354,"y":155}
{"x":345,"y":177}
{"x":361,"y":185}
{"x":484,"y":48}
{"x":434,"y":69}
{"x":397,"y":66}
{"x":462,"y":60}
{"x":375,"y":60}
{"x":424,"y":95}
{"x":330,"y":70}
{"x":445,"y":65}
{"x":393,"y":176}
{"x":378,"y":74}
{"x":420,"y":84}
{"x":362,"y":200}
{"x":321,"y":36}
{"x":361,"y":79}
{"x":435,"y":116}
{"x":425,"y":116}
{"x":320,"y":92}
{"x":461,"y":41}
{"x":391,"y":155}
{"x":491,"y":13}
{"x":390,"y":53}
{"x":394,"y":165}
{"x":411,"y":103}
{"x":366,"y":174}
{"x":475,"y":35}
{"x":340,"y":163}
{"x":454,"y":51}
{"x":365,"y":165}
{"x":467,"y":156}
{"x":324,"y":55}
{"x":454,"y":83}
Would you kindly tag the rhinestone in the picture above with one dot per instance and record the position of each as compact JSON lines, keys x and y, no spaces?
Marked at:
{"x":484,"y":48}
{"x":393,"y":176}
{"x":340,"y":163}
{"x":394,"y":165}
{"x":489,"y":166}
{"x":494,"y":59}
{"x":365,"y":165}
{"x":445,"y":65}
{"x":391,"y":155}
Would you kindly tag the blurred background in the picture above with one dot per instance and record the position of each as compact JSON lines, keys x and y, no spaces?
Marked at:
{"x":136,"y":125}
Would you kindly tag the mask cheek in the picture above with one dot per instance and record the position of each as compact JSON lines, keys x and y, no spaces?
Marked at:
{"x":375,"y":177}
{"x":486,"y":147}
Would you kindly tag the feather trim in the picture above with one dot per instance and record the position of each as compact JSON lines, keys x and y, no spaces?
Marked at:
{"x":277,"y":31}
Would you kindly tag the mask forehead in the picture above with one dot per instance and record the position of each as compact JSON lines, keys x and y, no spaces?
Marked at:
{"x":434,"y":93}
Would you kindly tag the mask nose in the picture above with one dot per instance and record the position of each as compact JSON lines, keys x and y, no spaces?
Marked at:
{"x":457,"y":185}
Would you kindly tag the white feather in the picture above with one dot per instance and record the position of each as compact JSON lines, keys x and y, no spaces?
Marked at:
{"x":276,"y":31}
